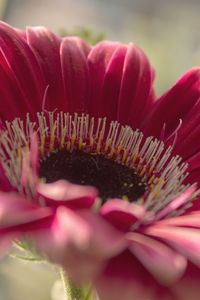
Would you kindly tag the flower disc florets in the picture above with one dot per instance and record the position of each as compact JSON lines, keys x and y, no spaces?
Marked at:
{"x":118,"y":161}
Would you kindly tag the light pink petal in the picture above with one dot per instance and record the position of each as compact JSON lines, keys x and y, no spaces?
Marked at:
{"x":163,"y":263}
{"x":89,"y":232}
{"x":136,"y":94}
{"x":63,"y":192}
{"x":20,"y":66}
{"x":80,"y":242}
{"x":122,"y":214}
{"x":75,"y":74}
{"x":189,"y":220}
{"x":182,"y":97}
{"x":184,"y":240}
{"x":176,"y":203}
{"x":16,"y":210}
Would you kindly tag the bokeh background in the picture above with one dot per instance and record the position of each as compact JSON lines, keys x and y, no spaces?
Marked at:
{"x":168,"y":31}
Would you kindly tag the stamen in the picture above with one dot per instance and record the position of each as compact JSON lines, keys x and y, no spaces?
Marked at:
{"x":162,"y":173}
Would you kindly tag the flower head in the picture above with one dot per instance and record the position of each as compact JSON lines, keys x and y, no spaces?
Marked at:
{"x":100,"y":175}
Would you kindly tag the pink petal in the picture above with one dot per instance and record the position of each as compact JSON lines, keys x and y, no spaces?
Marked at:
{"x":75,"y":241}
{"x":63,"y":192}
{"x":184,"y":240}
{"x":122,"y":214}
{"x":75,"y":74}
{"x":189,"y":220}
{"x":182,"y":97}
{"x":91,"y":232}
{"x":163,"y":263}
{"x":19,"y":63}
{"x":16,"y":210}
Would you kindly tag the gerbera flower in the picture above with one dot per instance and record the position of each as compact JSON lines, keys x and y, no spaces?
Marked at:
{"x":99,"y":175}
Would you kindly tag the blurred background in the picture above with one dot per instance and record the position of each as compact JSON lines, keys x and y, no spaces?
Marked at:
{"x":168,"y":31}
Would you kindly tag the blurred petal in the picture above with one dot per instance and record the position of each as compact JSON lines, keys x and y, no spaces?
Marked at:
{"x":63,"y":192}
{"x":189,"y":220}
{"x":16,"y":210}
{"x":184,"y":240}
{"x":124,"y":278}
{"x":79,"y":241}
{"x":162,"y":262}
{"x":122,"y":214}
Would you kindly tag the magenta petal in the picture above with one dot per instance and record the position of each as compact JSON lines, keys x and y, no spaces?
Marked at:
{"x":122,"y":214}
{"x":75,"y":75}
{"x":19,"y":63}
{"x":124,"y":278}
{"x":163,"y":263}
{"x":182,"y":97}
{"x":186,"y":145}
{"x":194,"y":162}
{"x":184,"y":240}
{"x":105,"y":62}
{"x":121,"y":82}
{"x":63,"y":192}
{"x":46,"y":47}
{"x":136,"y":88}
{"x":5,"y":185}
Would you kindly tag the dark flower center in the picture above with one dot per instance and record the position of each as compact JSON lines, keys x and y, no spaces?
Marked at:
{"x":113,"y":180}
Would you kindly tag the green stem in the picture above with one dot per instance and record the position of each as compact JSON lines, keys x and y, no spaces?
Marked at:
{"x":72,"y":292}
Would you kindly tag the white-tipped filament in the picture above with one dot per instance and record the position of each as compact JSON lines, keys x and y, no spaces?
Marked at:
{"x":163,"y":173}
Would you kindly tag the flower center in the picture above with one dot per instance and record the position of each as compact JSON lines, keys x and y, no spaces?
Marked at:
{"x":113,"y":180}
{"x":119,"y":161}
